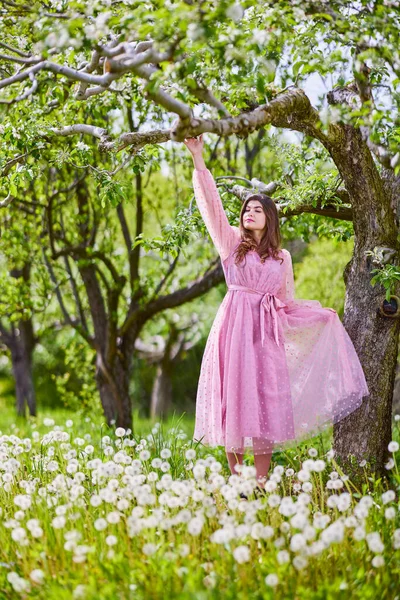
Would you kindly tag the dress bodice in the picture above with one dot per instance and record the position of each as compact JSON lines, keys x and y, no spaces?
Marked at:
{"x":251,"y":272}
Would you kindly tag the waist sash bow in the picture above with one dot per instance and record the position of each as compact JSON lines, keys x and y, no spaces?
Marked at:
{"x":270,"y":303}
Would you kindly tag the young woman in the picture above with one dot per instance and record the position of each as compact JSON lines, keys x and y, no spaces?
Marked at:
{"x":275,"y":368}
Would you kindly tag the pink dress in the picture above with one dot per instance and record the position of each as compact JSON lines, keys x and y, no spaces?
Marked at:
{"x":275,"y":368}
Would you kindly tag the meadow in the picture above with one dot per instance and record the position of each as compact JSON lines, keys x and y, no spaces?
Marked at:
{"x":96,"y":513}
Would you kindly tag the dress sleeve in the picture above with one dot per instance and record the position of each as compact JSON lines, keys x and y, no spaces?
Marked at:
{"x":223,"y":235}
{"x":286,"y":292}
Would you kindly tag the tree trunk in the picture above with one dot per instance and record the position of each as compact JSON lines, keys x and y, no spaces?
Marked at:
{"x":112,"y":370}
{"x":365,"y":433}
{"x":113,"y":385}
{"x":21,"y":347}
{"x":396,"y":393}
{"x":161,"y":395}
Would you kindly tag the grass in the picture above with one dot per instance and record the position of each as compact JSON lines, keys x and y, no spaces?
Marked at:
{"x":89,"y":512}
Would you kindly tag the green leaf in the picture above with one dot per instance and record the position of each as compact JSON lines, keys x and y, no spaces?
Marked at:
{"x":297,"y":67}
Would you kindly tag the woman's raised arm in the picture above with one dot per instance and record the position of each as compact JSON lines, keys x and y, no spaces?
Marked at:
{"x":223,"y":235}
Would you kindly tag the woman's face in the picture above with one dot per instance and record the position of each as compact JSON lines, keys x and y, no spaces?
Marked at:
{"x":254,"y":216}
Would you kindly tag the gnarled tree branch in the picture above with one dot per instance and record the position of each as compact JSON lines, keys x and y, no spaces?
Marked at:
{"x":344,"y":213}
{"x":193,"y":290}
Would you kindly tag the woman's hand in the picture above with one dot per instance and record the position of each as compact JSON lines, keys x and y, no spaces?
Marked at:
{"x":195,"y":145}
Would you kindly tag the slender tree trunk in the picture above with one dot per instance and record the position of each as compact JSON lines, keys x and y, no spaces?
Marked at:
{"x":113,"y":382}
{"x":113,"y":386}
{"x":365,"y":434}
{"x":21,"y":347}
{"x":20,"y":340}
{"x":162,"y":392}
{"x":112,"y":371}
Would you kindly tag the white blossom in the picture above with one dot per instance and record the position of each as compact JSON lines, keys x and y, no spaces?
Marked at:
{"x":235,"y":12}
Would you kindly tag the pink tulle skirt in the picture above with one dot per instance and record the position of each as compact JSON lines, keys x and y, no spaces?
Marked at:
{"x":263,"y":394}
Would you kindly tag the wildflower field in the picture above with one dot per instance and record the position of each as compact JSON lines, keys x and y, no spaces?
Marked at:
{"x":93,"y":513}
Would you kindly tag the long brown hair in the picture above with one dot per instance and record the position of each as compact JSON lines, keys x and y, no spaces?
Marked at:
{"x":270,"y":242}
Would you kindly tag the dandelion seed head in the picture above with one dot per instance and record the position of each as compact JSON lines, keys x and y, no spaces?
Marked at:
{"x":390,"y":513}
{"x":271,"y":486}
{"x":274,"y":500}
{"x":79,"y":592}
{"x":283,"y":557}
{"x":241,"y":554}
{"x":59,"y":522}
{"x":144,"y":455}
{"x":37,"y":576}
{"x":374,"y":542}
{"x":300,"y":562}
{"x":390,"y":464}
{"x":19,"y":535}
{"x":388,"y":496}
{"x":100,"y":524}
{"x":149,"y":549}
{"x":18,"y":583}
{"x":396,"y":539}
{"x":190,"y":454}
{"x":378,"y":561}
{"x":303,"y":475}
{"x":111,"y":540}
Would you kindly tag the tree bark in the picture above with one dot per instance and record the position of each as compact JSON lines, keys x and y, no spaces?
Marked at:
{"x":365,"y":433}
{"x":113,"y":386}
{"x":112,"y":370}
{"x":20,"y":340}
{"x":21,"y":347}
{"x":161,"y":395}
